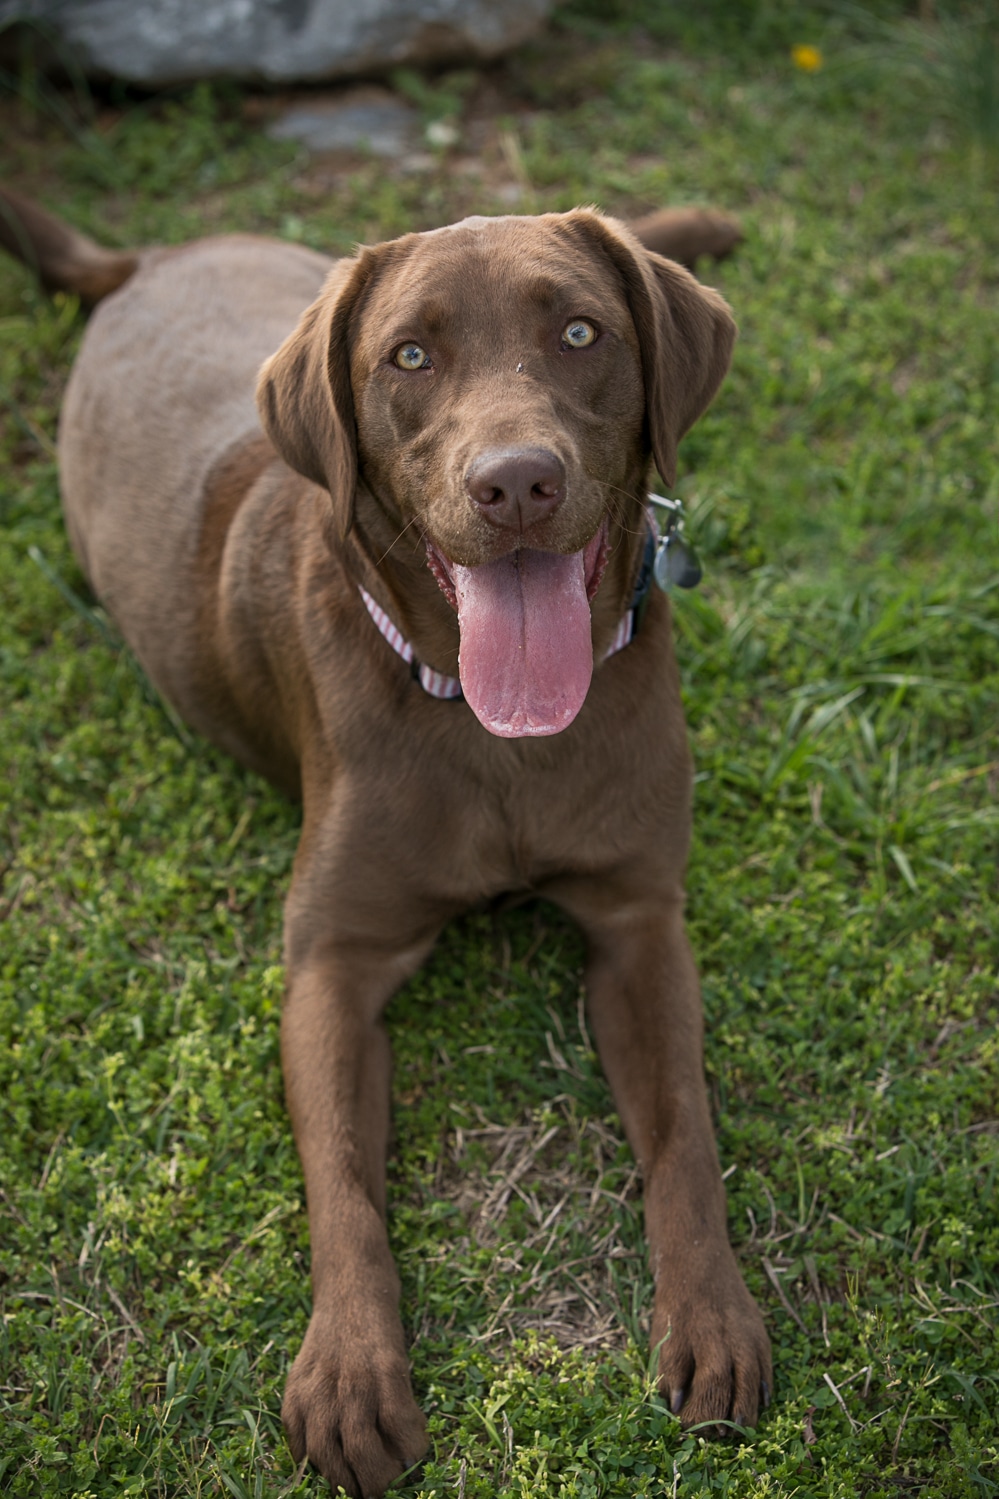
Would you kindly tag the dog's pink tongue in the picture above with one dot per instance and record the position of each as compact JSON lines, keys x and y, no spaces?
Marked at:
{"x":525,"y":658}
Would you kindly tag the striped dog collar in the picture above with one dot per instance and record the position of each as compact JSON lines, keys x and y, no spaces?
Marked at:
{"x":435,"y":682}
{"x":439,"y":685}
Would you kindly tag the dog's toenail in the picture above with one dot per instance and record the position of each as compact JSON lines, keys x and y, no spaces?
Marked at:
{"x":676,"y":1400}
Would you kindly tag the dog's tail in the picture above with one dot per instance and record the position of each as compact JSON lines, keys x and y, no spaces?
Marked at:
{"x":685,"y":234}
{"x":61,"y":257}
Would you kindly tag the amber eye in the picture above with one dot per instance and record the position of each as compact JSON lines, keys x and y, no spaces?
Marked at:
{"x":412,"y":357}
{"x":577,"y":334}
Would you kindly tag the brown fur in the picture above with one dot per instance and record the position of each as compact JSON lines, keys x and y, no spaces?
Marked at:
{"x":688,"y":234}
{"x":231,"y":559}
{"x":62,"y":258}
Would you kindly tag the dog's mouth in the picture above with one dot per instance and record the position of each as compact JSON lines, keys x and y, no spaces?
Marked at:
{"x":526,"y":654}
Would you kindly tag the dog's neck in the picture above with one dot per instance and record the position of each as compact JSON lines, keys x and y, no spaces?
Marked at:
{"x":391,"y":558}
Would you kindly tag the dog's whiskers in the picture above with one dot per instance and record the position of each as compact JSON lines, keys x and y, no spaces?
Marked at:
{"x":618,"y":501}
{"x":406,"y":527}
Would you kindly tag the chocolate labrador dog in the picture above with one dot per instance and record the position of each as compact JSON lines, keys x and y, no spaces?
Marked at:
{"x":376,"y":526}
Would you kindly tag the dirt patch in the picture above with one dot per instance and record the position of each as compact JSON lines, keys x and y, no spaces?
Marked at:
{"x":556,"y":1198}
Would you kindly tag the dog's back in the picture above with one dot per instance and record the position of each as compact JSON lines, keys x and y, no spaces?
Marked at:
{"x":162,"y":388}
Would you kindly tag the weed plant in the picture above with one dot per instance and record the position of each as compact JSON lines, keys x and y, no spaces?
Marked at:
{"x":841,"y":686}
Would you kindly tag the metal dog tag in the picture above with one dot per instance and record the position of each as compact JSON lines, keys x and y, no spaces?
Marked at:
{"x":676,"y":563}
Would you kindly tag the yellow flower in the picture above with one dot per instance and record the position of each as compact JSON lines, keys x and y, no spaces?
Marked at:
{"x":807,"y":58}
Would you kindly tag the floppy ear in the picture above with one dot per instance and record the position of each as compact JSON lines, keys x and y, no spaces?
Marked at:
{"x":304,"y":395}
{"x":685,"y":333}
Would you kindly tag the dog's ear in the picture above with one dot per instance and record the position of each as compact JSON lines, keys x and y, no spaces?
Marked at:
{"x":685,"y":332}
{"x":304,"y":393}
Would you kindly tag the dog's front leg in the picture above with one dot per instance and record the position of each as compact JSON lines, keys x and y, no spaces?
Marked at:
{"x":348,"y":1404}
{"x":645,"y":1008}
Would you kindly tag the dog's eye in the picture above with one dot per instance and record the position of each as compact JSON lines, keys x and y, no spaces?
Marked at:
{"x":412,"y":357}
{"x":577,"y":334}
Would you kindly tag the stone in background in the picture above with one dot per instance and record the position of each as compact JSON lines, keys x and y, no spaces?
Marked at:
{"x":365,"y":120}
{"x":159,"y":42}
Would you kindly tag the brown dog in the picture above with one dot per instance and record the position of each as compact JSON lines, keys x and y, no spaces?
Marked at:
{"x":460,"y":424}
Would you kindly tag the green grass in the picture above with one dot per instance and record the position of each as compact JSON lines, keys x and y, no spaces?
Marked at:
{"x":842,"y":690}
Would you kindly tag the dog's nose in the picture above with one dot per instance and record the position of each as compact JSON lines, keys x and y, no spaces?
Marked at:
{"x":516,"y":487}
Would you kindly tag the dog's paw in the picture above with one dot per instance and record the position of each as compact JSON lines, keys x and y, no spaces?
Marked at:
{"x":348,"y":1407}
{"x":714,"y":1354}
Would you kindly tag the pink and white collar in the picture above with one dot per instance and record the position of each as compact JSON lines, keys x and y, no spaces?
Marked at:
{"x":436,"y":683}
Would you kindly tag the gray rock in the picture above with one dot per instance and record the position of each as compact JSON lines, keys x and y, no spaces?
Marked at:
{"x":382,"y":125}
{"x":156,"y":42}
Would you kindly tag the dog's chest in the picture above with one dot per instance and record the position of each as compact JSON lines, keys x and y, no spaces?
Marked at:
{"x":517,"y":817}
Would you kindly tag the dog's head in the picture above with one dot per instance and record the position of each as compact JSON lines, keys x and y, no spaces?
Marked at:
{"x":501,"y":384}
